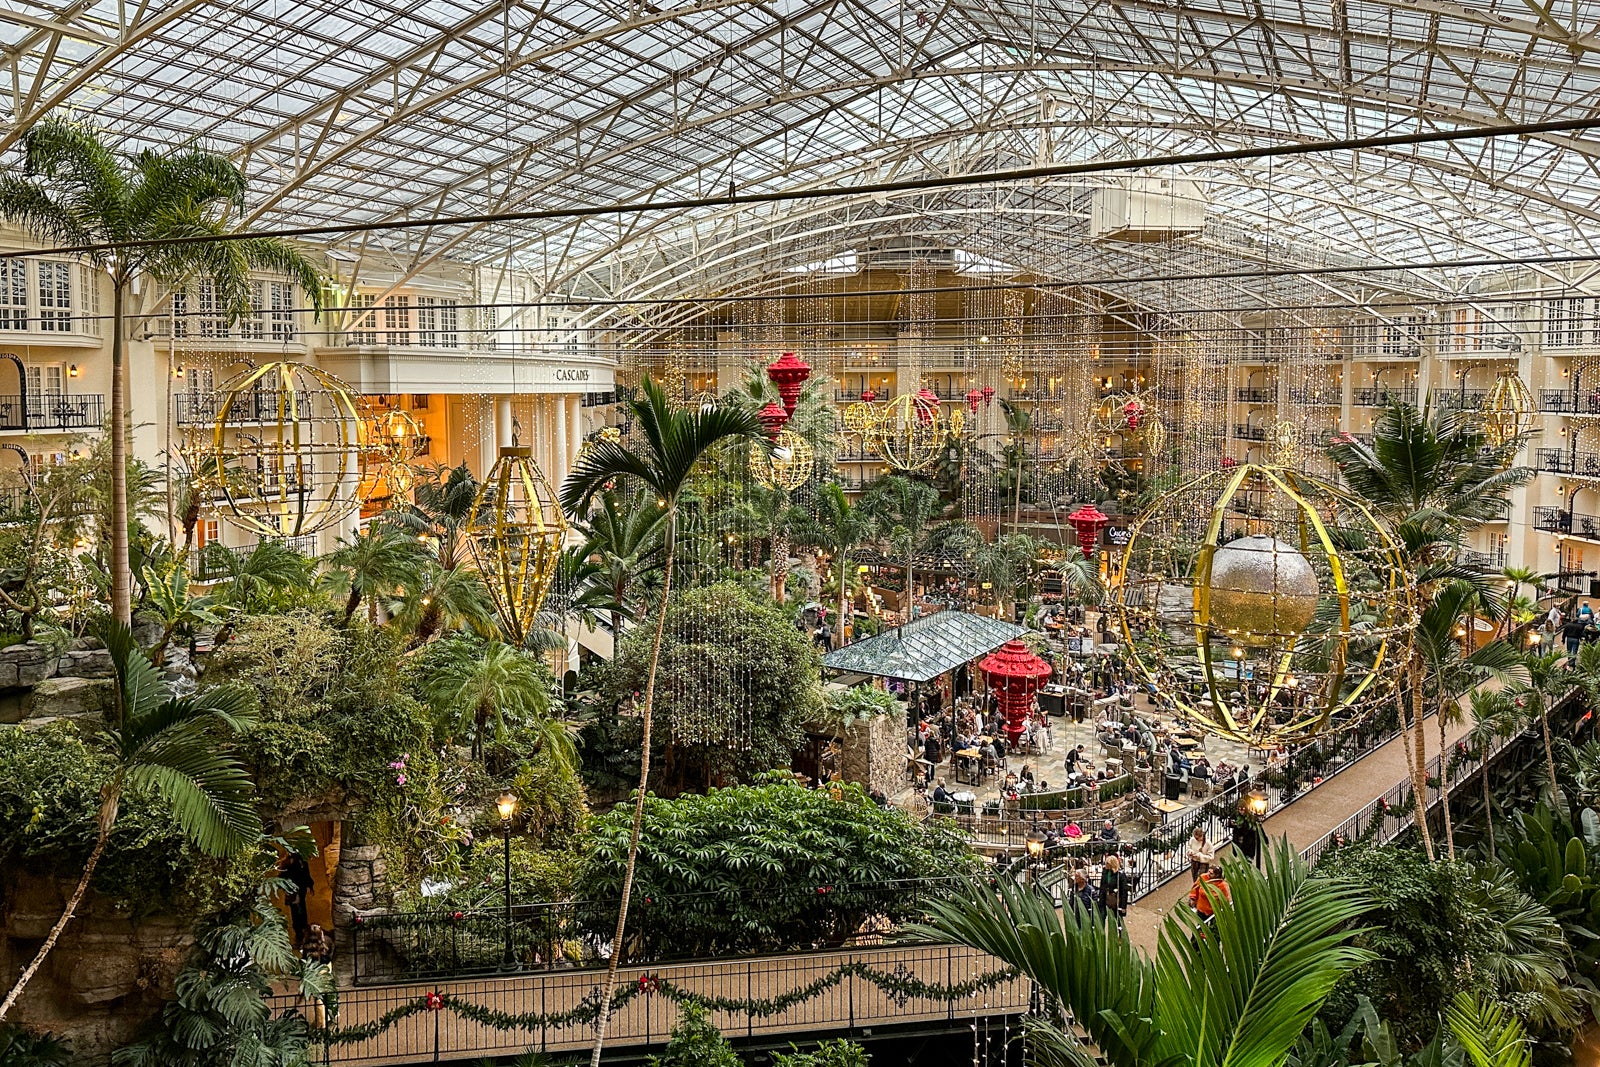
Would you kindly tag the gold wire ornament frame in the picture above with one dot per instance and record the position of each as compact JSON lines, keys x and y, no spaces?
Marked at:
{"x":1508,"y":410}
{"x":908,"y":433}
{"x":788,"y":464}
{"x":516,"y":537}
{"x":1298,"y":624}
{"x":297,"y":469}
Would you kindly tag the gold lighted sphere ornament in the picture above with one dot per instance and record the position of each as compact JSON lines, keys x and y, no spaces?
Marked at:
{"x":288,"y":440}
{"x":1264,"y":603}
{"x":907,"y":433}
{"x":786,"y":465}
{"x":860,"y":418}
{"x":516,"y":536}
{"x":1508,"y":410}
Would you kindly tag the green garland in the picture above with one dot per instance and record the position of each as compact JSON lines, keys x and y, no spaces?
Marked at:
{"x":901,"y":985}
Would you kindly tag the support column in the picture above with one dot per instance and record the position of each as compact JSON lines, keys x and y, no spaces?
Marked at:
{"x":558,"y":473}
{"x":502,"y":421}
{"x":484,"y":413}
{"x":574,"y":427}
{"x":547,"y":443}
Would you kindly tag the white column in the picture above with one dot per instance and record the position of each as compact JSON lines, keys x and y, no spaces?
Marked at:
{"x":483,"y":412}
{"x":547,"y":443}
{"x":574,"y":427}
{"x":502,"y":421}
{"x":558,"y":473}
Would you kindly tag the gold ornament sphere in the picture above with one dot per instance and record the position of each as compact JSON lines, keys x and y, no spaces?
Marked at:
{"x":287,"y":443}
{"x":908,"y":433}
{"x":1264,"y":603}
{"x":786,"y":465}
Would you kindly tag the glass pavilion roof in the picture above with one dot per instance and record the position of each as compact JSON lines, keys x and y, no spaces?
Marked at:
{"x":924,"y":648}
{"x":381,"y":112}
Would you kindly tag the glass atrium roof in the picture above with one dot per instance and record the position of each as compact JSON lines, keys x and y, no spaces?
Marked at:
{"x":372,"y":111}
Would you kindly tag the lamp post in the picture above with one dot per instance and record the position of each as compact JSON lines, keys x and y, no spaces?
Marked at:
{"x":1255,"y":802}
{"x":1035,"y":854}
{"x":507,"y":805}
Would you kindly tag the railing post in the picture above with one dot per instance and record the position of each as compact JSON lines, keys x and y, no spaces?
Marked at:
{"x":749,"y":995}
{"x":852,"y":989}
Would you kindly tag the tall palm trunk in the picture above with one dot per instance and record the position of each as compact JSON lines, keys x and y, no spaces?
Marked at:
{"x":609,"y":988}
{"x":121,"y":579}
{"x":1549,"y":752}
{"x":1417,"y":760}
{"x":1444,"y":790}
{"x":1488,"y":803}
{"x":108,"y":816}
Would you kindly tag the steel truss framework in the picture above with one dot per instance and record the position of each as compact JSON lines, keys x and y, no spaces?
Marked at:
{"x":377,"y":111}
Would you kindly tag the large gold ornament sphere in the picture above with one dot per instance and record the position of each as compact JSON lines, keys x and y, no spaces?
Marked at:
{"x":516,"y":535}
{"x":287,"y":442}
{"x":1265,"y":604}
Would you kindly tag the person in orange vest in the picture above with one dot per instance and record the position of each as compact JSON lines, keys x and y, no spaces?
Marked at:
{"x":1200,"y":900}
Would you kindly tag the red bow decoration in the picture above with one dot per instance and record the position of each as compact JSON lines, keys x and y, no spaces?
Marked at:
{"x":434,"y":1001}
{"x":649,"y":983}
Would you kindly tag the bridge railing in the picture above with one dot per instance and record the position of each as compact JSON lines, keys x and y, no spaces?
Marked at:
{"x":405,"y":946}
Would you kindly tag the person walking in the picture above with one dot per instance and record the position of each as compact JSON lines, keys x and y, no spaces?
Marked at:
{"x":1113,"y":887}
{"x":1200,"y":853}
{"x":297,"y":872}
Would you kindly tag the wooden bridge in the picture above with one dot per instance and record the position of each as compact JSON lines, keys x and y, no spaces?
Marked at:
{"x":865,"y":989}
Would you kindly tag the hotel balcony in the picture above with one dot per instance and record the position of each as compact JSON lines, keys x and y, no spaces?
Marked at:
{"x":52,"y":412}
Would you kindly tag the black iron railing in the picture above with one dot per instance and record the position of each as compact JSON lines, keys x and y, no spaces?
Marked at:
{"x":1378,"y":396}
{"x":404,"y":946}
{"x":1460,"y":399}
{"x":1255,"y":396}
{"x":248,"y":407}
{"x":52,"y":411}
{"x":1249,"y":433}
{"x":1566,"y":402}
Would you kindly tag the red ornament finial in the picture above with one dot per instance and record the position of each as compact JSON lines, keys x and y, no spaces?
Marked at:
{"x":927,"y":405}
{"x":774,"y":418}
{"x":868,"y":395}
{"x":789,"y":373}
{"x":974,"y":398}
{"x":988,"y":395}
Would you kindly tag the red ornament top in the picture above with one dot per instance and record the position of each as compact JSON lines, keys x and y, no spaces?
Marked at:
{"x":868,"y":396}
{"x":988,"y":395}
{"x":974,"y":398}
{"x":789,"y":373}
{"x":1013,"y":661}
{"x":774,"y":418}
{"x":927,"y":405}
{"x":1088,"y":521}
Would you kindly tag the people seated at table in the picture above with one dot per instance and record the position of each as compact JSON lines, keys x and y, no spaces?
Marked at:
{"x":1072,"y":831}
{"x":1026,"y":774}
{"x":941,"y":795}
{"x":1108,"y":832}
{"x":1201,"y":768}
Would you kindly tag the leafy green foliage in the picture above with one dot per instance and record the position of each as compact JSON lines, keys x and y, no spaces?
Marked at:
{"x":471,"y":685}
{"x":836,"y":1053}
{"x":220,"y":1016}
{"x":766,"y":867}
{"x":737,"y":683}
{"x":861,"y":703}
{"x":1239,"y":992}
{"x":24,"y":1048}
{"x":333,"y":706}
{"x":695,"y":1042}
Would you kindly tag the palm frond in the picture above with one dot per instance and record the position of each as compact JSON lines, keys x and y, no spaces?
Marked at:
{"x":1487,"y":1033}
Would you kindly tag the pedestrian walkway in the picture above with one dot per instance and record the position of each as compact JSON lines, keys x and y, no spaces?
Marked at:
{"x":1309,"y":817}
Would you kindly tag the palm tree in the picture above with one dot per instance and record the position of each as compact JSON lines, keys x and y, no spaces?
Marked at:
{"x":901,"y":509}
{"x":624,"y":539}
{"x":1546,"y":682}
{"x":470,"y":684}
{"x":671,"y":442}
{"x":445,"y":600}
{"x":439,"y":513}
{"x":1438,"y":642}
{"x":373,"y":564}
{"x":1495,"y":717}
{"x":1432,"y":475}
{"x":1019,"y":425}
{"x":1238,"y":992}
{"x":836,"y":528}
{"x":1516,"y":578}
{"x":172,"y":746}
{"x":74,"y":190}
{"x":168,"y":596}
{"x":1006,"y":564}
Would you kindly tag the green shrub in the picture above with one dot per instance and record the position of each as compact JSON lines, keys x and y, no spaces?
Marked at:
{"x":695,"y":1042}
{"x":766,"y":867}
{"x":836,"y":1053}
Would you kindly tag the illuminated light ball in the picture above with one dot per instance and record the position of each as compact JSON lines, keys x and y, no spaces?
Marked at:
{"x":1508,"y":410}
{"x":1265,"y":604}
{"x":1261,"y":586}
{"x":515,"y":537}
{"x":908,"y":433}
{"x":786,"y":465}
{"x":288,"y":439}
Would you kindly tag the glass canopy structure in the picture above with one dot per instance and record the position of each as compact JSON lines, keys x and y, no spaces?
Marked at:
{"x":377,"y":112}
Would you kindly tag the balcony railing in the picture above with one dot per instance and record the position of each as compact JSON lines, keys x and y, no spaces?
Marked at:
{"x":1255,"y":396}
{"x":1381,"y":395}
{"x":1327,"y":398}
{"x":193,"y":409}
{"x":850,"y":396}
{"x":1249,"y":433}
{"x":52,"y":411}
{"x":1493,"y":561}
{"x":1561,"y":461}
{"x":1561,"y":521}
{"x":215,"y":561}
{"x":1566,"y":402}
{"x":1461,"y":399}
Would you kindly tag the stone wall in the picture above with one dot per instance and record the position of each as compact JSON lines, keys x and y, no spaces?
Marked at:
{"x":107,"y":974}
{"x":873,"y":753}
{"x":38,"y":685}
